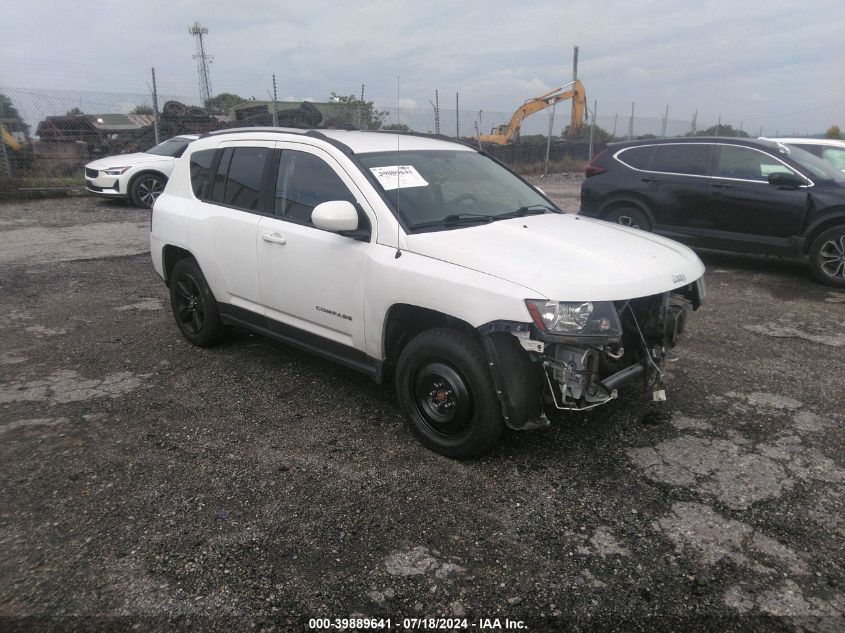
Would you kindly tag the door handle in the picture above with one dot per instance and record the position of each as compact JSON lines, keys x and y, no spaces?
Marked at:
{"x":650,"y":179}
{"x":718,"y":185}
{"x":275,"y":238}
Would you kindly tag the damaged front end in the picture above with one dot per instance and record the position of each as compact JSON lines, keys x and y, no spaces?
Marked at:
{"x":575,"y":356}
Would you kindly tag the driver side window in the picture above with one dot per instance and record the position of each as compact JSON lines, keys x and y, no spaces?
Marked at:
{"x":304,"y":181}
{"x":747,"y":164}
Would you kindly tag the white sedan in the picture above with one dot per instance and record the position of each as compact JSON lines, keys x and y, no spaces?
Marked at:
{"x":140,"y":177}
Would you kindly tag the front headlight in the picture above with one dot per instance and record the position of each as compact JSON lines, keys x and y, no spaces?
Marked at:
{"x":115,"y":171}
{"x":583,"y":318}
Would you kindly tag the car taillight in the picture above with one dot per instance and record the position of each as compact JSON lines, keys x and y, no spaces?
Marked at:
{"x":593,"y":169}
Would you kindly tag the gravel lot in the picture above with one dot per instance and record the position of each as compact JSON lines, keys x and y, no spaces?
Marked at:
{"x":252,"y":486}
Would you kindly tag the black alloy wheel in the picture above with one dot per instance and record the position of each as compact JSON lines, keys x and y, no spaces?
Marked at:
{"x":189,"y":306}
{"x":194,"y":306}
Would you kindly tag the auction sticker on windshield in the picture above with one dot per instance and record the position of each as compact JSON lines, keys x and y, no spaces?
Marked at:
{"x":398,"y":177}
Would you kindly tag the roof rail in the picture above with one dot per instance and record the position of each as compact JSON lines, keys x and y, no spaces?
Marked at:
{"x":318,"y":134}
{"x":439,"y":137}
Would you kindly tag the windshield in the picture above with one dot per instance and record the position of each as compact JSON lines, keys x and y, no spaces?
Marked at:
{"x":813,"y":164}
{"x":443,"y":189}
{"x":172,"y":147}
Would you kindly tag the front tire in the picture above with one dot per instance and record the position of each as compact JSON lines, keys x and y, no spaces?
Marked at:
{"x":446,"y":392}
{"x":629,"y":216}
{"x":827,"y":257}
{"x":145,"y":189}
{"x":194,"y":306}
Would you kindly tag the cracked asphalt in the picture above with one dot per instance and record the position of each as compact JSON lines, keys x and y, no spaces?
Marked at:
{"x":149,"y":484}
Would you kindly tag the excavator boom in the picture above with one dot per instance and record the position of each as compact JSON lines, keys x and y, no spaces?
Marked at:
{"x":574,"y":91}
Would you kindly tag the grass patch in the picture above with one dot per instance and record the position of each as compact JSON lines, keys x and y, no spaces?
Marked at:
{"x":49,"y":182}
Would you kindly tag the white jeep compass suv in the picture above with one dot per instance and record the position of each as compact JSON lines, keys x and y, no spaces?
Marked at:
{"x":422,"y":260}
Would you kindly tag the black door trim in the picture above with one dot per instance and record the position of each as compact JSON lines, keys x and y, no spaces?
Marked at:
{"x":332,"y":350}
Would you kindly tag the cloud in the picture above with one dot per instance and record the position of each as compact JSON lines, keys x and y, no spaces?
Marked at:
{"x":717,"y":57}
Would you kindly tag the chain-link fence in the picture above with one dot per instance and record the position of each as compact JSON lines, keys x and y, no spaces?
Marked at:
{"x":54,"y":133}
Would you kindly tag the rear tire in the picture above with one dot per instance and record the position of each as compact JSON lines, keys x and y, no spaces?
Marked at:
{"x":194,"y":306}
{"x":827,"y":257}
{"x":629,"y":216}
{"x":446,"y":392}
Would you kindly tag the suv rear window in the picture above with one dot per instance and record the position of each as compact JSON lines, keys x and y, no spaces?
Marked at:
{"x":201,"y":176}
{"x":690,"y":158}
{"x":243,"y":183}
{"x":637,"y":157}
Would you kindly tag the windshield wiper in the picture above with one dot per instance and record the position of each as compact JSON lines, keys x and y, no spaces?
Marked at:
{"x":456,"y":219}
{"x":531,"y":209}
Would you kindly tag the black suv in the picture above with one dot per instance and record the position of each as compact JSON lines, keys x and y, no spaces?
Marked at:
{"x":730,"y":194}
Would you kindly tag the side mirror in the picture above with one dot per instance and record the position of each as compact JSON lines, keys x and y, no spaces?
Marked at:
{"x":336,"y":216}
{"x":786,"y":179}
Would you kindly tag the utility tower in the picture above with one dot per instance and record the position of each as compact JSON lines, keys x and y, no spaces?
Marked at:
{"x":203,"y":60}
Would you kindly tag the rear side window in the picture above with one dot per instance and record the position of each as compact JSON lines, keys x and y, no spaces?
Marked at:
{"x":219,"y":184}
{"x":682,"y":159}
{"x":637,"y":157}
{"x":303,"y":182}
{"x":201,"y":176}
{"x":243,"y":182}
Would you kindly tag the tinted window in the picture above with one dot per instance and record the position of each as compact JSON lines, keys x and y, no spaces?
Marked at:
{"x":243,"y":182}
{"x":220,"y":177}
{"x":303,"y":182}
{"x":747,"y":164}
{"x":637,"y":157}
{"x":682,"y":159}
{"x":201,"y":176}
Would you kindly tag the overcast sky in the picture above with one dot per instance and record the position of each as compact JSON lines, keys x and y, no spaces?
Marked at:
{"x":777,"y":63}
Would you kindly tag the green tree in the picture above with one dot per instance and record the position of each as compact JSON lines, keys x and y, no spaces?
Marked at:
{"x":396,"y":127}
{"x":833,"y":132}
{"x":600,"y":135}
{"x":10,"y":116}
{"x":141,"y":109}
{"x":22,"y":158}
{"x":223,"y":102}
{"x":720,"y":130}
{"x":74,"y":112}
{"x":349,"y":109}
{"x":532,"y":139}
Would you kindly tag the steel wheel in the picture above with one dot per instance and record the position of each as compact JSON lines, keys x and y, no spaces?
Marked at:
{"x":446,"y":392}
{"x":443,"y":400}
{"x":832,"y":257}
{"x":190,"y":307}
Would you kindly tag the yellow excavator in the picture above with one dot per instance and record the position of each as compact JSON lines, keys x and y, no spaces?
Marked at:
{"x":504,"y":134}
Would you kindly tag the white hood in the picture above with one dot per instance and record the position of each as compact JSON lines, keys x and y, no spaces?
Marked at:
{"x":566,"y":257}
{"x":127,"y":160}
